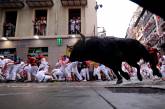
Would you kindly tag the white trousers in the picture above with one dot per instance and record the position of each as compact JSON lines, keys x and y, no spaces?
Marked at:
{"x":97,"y":73}
{"x":84,"y":73}
{"x":59,"y":73}
{"x":13,"y":72}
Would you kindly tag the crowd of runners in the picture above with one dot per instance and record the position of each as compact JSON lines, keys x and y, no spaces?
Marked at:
{"x":37,"y":69}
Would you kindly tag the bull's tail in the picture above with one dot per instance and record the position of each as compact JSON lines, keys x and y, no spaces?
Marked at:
{"x":82,"y":36}
{"x":152,"y":61}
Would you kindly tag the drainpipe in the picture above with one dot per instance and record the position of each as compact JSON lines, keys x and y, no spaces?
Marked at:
{"x":94,"y":30}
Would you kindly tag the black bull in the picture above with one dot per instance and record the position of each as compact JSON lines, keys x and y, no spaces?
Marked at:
{"x":112,"y":52}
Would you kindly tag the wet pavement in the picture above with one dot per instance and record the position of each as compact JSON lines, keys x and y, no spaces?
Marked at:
{"x":83,"y":95}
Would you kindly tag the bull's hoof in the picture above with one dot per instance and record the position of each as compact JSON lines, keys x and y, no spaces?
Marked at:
{"x":119,"y":81}
{"x":126,"y":76}
{"x":158,"y":74}
{"x":139,"y":77}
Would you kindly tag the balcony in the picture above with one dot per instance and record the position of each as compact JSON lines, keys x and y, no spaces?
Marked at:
{"x":74,"y":2}
{"x":147,"y":18}
{"x":161,"y":40}
{"x":11,"y":4}
{"x":39,"y":3}
{"x":153,"y":39}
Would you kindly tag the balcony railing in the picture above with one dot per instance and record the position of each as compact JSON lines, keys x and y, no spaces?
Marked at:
{"x":147,"y":18}
{"x":8,"y":4}
{"x":161,"y":40}
{"x":39,"y":3}
{"x":150,"y":27}
{"x":74,"y":2}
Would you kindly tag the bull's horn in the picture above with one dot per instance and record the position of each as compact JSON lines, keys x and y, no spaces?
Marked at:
{"x":82,"y":36}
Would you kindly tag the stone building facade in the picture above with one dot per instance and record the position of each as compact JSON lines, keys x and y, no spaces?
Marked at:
{"x":147,"y":27}
{"x":33,"y":26}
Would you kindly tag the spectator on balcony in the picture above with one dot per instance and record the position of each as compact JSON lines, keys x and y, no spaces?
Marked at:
{"x":36,"y":24}
{"x":9,"y":29}
{"x":77,"y":26}
{"x":43,"y":26}
{"x":72,"y":25}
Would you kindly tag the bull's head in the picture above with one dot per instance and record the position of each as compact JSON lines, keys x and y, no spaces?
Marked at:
{"x":78,"y":51}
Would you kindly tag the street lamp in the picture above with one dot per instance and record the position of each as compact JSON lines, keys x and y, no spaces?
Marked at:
{"x":98,"y":6}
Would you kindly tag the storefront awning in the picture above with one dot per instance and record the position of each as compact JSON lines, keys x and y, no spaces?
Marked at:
{"x":39,"y":3}
{"x":8,"y":4}
{"x":74,"y":2}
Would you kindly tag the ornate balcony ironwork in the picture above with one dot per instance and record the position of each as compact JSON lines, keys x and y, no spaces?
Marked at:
{"x":39,"y":3}
{"x":8,"y":4}
{"x":74,"y":2}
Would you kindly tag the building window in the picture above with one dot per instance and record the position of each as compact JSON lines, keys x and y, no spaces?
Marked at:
{"x":34,"y":51}
{"x":10,"y":24}
{"x":40,"y":22}
{"x":8,"y":52}
{"x":74,"y":21}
